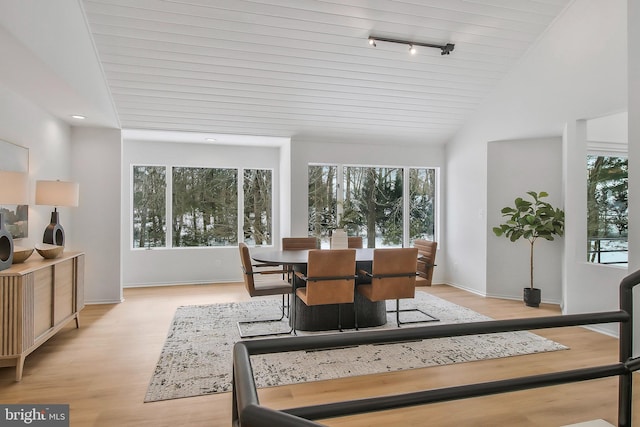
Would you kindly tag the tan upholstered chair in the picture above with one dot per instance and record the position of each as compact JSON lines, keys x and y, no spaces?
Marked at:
{"x":355,"y":242}
{"x":299,"y":243}
{"x":330,"y":279}
{"x":270,"y":285}
{"x":393,"y":276}
{"x":426,"y":261}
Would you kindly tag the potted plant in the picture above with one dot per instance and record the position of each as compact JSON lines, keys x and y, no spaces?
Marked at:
{"x":531,"y":220}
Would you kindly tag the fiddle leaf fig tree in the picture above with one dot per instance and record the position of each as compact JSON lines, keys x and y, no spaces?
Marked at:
{"x":531,"y":220}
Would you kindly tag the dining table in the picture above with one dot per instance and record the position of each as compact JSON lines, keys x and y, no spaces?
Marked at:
{"x":325,"y":317}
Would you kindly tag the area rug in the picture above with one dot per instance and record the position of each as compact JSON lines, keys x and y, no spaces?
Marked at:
{"x":196,"y":358}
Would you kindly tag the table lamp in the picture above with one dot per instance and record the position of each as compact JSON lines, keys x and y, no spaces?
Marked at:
{"x":56,"y":193}
{"x":14,"y":190}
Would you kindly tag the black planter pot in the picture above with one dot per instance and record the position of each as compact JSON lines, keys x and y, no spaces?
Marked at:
{"x":532,"y":297}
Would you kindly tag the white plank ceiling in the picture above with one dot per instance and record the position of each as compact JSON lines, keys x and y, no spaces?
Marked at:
{"x":304,"y":68}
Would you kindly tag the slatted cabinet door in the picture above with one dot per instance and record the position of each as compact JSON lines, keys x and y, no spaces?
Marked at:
{"x":37,"y":299}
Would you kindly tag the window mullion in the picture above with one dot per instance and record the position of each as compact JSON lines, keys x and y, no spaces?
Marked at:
{"x":240,"y":205}
{"x":169,"y":207}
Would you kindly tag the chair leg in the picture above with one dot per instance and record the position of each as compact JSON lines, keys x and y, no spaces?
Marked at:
{"x":292,"y":319}
{"x":249,"y":322}
{"x":339,"y":318}
{"x":355,"y":314}
{"x":429,"y":318}
{"x":287,"y":306}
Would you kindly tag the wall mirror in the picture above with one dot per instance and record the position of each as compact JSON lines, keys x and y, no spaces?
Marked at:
{"x":15,"y":158}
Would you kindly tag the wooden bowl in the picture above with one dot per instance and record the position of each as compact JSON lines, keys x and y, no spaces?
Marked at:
{"x":21,"y":254}
{"x":49,"y":251}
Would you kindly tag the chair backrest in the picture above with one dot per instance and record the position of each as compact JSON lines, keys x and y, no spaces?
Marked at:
{"x":331,"y":276}
{"x":394,"y":273}
{"x":355,"y":242}
{"x":247,"y":268}
{"x":299,"y":243}
{"x":426,"y":259}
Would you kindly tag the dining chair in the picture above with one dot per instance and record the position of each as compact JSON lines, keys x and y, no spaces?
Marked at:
{"x":300,"y":243}
{"x":270,"y":285}
{"x":355,"y":242}
{"x":426,"y":260}
{"x":393,"y":276}
{"x":330,"y":279}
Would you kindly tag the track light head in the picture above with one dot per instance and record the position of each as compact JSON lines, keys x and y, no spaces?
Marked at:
{"x":412,"y":50}
{"x":446,"y":49}
{"x":372,"y":42}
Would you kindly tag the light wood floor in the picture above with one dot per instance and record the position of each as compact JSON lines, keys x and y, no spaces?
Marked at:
{"x":102,"y":370}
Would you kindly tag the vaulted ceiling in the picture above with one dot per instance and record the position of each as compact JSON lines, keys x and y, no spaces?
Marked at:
{"x":304,"y":68}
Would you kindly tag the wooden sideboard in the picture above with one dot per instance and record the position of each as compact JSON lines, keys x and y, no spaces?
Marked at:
{"x":37,"y":299}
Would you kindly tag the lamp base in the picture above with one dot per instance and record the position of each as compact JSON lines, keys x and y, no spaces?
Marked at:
{"x":54,"y":233}
{"x":6,"y":246}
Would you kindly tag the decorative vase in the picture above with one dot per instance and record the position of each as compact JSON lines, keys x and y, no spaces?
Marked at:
{"x":6,"y":246}
{"x":532,"y":297}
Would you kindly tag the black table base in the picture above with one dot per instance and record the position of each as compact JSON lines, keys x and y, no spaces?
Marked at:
{"x":325,"y":317}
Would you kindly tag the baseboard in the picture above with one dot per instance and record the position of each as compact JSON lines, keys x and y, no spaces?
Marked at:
{"x":154,"y":284}
{"x":106,"y":301}
{"x":593,"y":423}
{"x":601,"y":330}
{"x":464,"y":288}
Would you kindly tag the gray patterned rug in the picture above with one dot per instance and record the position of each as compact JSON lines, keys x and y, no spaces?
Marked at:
{"x":196,"y":358}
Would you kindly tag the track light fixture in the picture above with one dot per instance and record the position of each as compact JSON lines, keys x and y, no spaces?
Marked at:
{"x":444,"y":49}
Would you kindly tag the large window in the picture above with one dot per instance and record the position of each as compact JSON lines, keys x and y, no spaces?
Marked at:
{"x":373,"y":205}
{"x":204,"y":205}
{"x":149,"y":201}
{"x":258,"y":207}
{"x":607,"y":220}
{"x":422,"y":203}
{"x":388,"y":207}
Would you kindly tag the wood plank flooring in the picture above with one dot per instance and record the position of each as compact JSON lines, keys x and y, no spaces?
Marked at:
{"x":102,"y":370}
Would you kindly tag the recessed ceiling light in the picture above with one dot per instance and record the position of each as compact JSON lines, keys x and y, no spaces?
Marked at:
{"x":78,"y":116}
{"x":210,"y":139}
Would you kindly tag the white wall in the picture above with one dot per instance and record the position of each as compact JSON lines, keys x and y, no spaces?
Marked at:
{"x":57,"y":151}
{"x":577,"y":69}
{"x":634,"y":153}
{"x":304,"y":152}
{"x":161,"y":266}
{"x":95,"y":156}
{"x":516,"y":167}
{"x":48,"y":141}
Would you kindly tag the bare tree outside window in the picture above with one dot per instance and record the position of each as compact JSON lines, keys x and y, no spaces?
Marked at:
{"x":258,"y":207}
{"x":607,"y":215}
{"x":323,"y":201}
{"x":205,"y":207}
{"x":149,"y":201}
{"x":422,"y":193}
{"x":373,"y":205}
{"x":370,"y":203}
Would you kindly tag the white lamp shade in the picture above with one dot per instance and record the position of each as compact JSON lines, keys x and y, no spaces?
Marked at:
{"x":14,"y":188}
{"x":57,"y":193}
